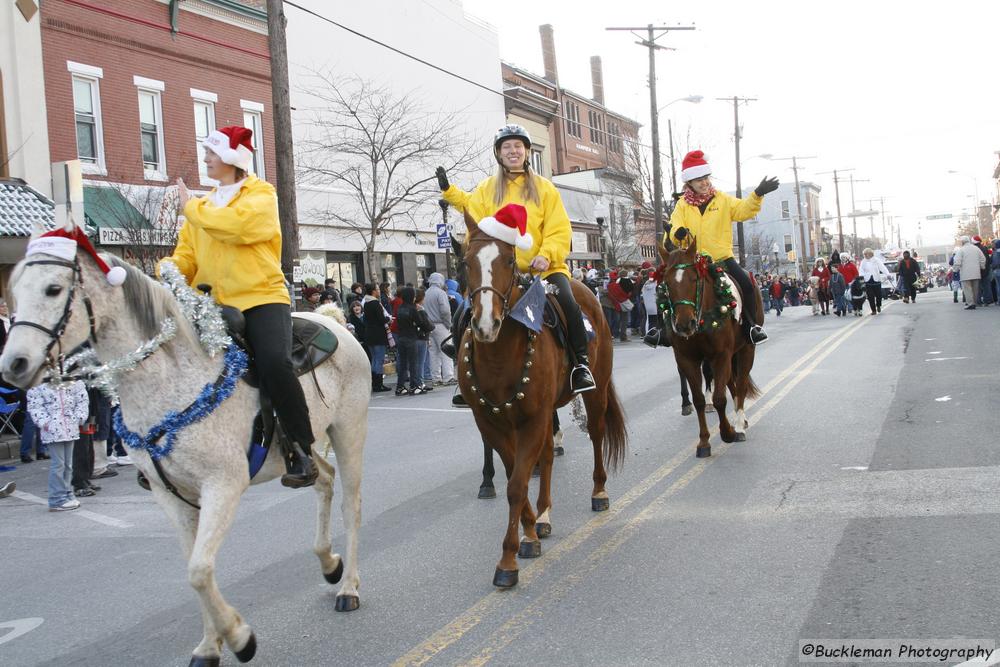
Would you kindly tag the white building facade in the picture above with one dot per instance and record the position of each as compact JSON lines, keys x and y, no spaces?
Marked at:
{"x":436,"y":31}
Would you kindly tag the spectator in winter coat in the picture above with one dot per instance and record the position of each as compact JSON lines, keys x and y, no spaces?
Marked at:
{"x":970,"y":262}
{"x":649,"y":301}
{"x":58,"y":411}
{"x":872,"y":269}
{"x":620,"y":291}
{"x":838,"y":287}
{"x":409,"y":327}
{"x":908,"y":271}
{"x":376,"y":334}
{"x":439,"y":313}
{"x":985,"y":286}
{"x":995,"y":266}
{"x":777,"y":290}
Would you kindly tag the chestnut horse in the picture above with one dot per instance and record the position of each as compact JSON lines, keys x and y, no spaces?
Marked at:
{"x":514,"y":379}
{"x":708,"y":330}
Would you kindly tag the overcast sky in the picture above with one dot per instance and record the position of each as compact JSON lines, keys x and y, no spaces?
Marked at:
{"x":900,"y":93}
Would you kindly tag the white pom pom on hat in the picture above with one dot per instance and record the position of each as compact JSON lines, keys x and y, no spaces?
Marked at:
{"x":64,"y":244}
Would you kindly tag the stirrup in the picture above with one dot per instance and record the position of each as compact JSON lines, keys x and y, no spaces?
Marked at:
{"x":757,"y":334}
{"x":581,"y":379}
{"x":448,"y":347}
{"x":655,"y":337}
{"x":300,"y":469}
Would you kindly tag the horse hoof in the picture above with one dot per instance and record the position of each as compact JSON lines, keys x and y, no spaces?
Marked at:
{"x":487,"y":492}
{"x":337,"y":573}
{"x":530,"y":549}
{"x":600,"y":504}
{"x":543,"y":529}
{"x":347,"y":603}
{"x":730,"y":437}
{"x":505,"y":578}
{"x":686,"y":410}
{"x":558,"y":451}
{"x":703,"y":452}
{"x":247,"y":653}
{"x":198,"y":661}
{"x":741,"y":437}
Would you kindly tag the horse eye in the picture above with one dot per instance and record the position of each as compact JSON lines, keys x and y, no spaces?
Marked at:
{"x":53,"y":290}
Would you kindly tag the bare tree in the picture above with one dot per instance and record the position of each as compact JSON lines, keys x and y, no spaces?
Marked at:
{"x":377,"y":151}
{"x":145,"y":218}
{"x":759,"y":251}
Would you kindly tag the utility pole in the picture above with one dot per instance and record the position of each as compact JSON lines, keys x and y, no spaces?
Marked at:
{"x":800,"y":220}
{"x":840,"y":221}
{"x":652,"y":34}
{"x":673,"y":167}
{"x":282,"y":114}
{"x":736,"y":136}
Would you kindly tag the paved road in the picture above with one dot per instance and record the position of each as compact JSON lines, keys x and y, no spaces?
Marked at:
{"x":863,"y":505}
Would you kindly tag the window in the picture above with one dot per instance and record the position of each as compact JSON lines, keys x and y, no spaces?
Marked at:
{"x":536,"y":162}
{"x":614,"y":138}
{"x":154,"y":160}
{"x":573,"y":119}
{"x":784,"y":210}
{"x":596,"y":126}
{"x":253,"y":113}
{"x":87,"y":117}
{"x":204,"y":124}
{"x":788,"y":243}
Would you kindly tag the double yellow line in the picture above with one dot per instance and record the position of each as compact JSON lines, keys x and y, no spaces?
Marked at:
{"x":451,"y":633}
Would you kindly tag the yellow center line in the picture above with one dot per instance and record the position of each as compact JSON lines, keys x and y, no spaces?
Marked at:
{"x":471,"y":617}
{"x":526,"y":617}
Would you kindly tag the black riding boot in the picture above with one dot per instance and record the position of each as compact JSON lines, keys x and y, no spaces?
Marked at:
{"x":755,"y":333}
{"x":459,"y":321}
{"x":658,"y":336}
{"x":299,"y":467}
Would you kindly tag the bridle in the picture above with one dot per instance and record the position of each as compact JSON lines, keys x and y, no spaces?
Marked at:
{"x":696,"y":305}
{"x":56,"y":332}
{"x":515,"y":277}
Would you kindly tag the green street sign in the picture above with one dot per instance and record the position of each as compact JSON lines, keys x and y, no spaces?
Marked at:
{"x":940,"y":216}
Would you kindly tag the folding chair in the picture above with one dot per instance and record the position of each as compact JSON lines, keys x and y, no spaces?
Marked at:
{"x":9,"y":410}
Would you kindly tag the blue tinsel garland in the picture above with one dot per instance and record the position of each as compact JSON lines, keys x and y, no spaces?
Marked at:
{"x":208,"y":400}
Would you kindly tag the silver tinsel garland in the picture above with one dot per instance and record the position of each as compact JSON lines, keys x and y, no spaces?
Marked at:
{"x":199,"y":309}
{"x":104,"y":377}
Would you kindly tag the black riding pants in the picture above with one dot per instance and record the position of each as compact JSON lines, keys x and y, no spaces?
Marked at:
{"x":574,"y":317}
{"x":742,"y":279}
{"x":269,"y":334}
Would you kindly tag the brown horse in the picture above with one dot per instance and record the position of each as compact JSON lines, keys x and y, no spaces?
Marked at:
{"x":700,"y":302}
{"x":514,"y":379}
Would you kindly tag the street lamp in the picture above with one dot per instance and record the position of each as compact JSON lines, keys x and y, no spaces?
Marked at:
{"x":975,"y":203}
{"x":776,"y":250}
{"x":601,"y":212}
{"x":693,"y":99}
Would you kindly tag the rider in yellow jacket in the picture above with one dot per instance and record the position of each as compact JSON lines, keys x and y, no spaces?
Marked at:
{"x":708,"y":216}
{"x":231,"y":240}
{"x":548,"y":224}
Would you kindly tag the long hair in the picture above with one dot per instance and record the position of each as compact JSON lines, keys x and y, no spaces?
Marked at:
{"x":530,"y":190}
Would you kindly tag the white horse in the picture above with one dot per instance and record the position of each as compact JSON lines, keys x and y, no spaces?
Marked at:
{"x":208,"y":464}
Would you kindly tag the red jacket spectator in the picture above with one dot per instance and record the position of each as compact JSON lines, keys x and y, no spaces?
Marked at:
{"x":849,"y":270}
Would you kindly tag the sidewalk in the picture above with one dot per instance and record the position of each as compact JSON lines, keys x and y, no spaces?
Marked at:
{"x":10,"y":448}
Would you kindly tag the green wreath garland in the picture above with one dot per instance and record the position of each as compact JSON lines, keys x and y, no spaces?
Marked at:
{"x":712,"y":272}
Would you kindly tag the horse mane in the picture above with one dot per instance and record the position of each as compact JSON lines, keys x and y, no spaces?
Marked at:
{"x":150,"y":303}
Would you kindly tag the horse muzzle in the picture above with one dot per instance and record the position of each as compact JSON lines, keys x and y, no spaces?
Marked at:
{"x":687,"y":328}
{"x":19,"y":369}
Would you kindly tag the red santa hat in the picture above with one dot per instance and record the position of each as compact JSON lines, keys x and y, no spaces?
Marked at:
{"x":233,"y":145}
{"x":694,"y":166}
{"x":509,"y":224}
{"x":64,"y":244}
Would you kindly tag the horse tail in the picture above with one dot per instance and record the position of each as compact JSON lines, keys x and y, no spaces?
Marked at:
{"x":753,"y":391}
{"x":615,"y":435}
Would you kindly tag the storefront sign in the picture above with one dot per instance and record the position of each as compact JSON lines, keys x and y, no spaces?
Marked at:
{"x":137,"y":237}
{"x":313,"y":267}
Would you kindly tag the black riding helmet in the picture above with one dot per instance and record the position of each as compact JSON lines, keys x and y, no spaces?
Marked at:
{"x":512,"y":132}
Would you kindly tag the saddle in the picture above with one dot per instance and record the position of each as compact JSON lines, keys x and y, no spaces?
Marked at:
{"x":312,"y":343}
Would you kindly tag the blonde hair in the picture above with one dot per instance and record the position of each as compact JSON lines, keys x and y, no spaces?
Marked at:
{"x":530,"y":190}
{"x":868,"y":251}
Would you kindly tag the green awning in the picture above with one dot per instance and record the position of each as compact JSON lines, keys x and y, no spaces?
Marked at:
{"x":107,"y":207}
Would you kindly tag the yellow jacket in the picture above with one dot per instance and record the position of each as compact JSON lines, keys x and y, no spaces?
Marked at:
{"x":548,"y":222}
{"x":714,"y":229}
{"x":236,"y":248}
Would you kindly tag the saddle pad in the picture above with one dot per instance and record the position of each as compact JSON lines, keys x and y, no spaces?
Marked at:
{"x":552,"y":320}
{"x":737,"y":296}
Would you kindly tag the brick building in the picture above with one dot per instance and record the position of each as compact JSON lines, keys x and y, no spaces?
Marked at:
{"x":131,"y":87}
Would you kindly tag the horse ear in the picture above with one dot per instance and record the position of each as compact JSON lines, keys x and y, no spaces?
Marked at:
{"x":665,"y":248}
{"x":472,"y":229}
{"x":694,"y":244}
